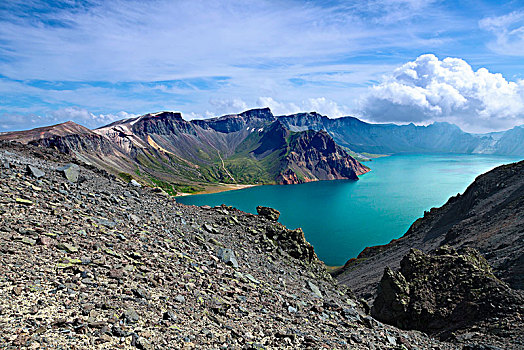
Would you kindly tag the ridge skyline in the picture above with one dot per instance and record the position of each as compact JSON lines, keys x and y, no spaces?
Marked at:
{"x":175,"y":112}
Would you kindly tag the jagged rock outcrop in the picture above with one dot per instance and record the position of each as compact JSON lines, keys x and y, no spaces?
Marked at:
{"x":488,"y":217}
{"x":314,"y":155}
{"x":268,"y":213}
{"x":448,"y":293}
{"x":292,"y":241}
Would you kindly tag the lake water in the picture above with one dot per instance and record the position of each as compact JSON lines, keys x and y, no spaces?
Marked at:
{"x":340,"y":218}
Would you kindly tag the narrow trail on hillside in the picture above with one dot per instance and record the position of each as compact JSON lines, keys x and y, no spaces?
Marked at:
{"x":224,"y":166}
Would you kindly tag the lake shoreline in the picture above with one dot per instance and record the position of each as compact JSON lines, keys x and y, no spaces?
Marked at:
{"x":341,"y":218}
{"x":218,"y":189}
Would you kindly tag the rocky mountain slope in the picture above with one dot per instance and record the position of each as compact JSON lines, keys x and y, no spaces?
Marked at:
{"x":164,"y":149}
{"x":434,"y":294}
{"x":465,"y":277}
{"x":314,"y":154}
{"x":364,"y":137}
{"x":450,"y":294}
{"x":489,"y":217}
{"x":88,"y":261}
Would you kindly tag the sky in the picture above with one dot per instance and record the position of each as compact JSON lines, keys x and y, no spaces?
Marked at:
{"x":398,"y":61}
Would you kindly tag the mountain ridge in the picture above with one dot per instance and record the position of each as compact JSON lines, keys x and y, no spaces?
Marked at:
{"x":164,"y":149}
{"x":167,"y":150}
{"x":438,"y":137}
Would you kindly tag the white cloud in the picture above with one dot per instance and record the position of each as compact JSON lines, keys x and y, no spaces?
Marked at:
{"x":225,"y":106}
{"x":145,"y":56}
{"x":509,"y":33}
{"x":193,"y":115}
{"x":163,"y":40}
{"x":17,"y":121}
{"x":327,"y":107}
{"x":84,"y":117}
{"x":321,"y":105}
{"x":430,"y":89}
{"x":278,"y":108}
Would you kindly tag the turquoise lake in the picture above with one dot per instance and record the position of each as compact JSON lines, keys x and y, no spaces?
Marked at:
{"x":340,"y":218}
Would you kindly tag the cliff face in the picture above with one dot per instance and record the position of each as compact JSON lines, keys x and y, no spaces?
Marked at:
{"x":313,"y":155}
{"x":81,"y":143}
{"x":489,"y":217}
{"x":236,"y":122}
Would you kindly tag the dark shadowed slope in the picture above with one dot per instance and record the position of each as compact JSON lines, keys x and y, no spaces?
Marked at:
{"x":489,"y":217}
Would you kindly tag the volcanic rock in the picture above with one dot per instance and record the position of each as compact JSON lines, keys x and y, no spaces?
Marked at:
{"x":448,"y":292}
{"x":34,"y":171}
{"x":268,"y":213}
{"x":70,"y":171}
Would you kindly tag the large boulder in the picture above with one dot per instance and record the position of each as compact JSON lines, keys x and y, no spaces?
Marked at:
{"x":292,"y":241}
{"x":268,"y":213}
{"x":71,"y":172}
{"x":35,"y":172}
{"x":448,"y":292}
{"x":228,"y":256}
{"x":393,"y":298}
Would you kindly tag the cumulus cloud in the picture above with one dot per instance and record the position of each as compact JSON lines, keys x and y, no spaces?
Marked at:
{"x":508,"y":31}
{"x":278,"y":108}
{"x":429,"y":89}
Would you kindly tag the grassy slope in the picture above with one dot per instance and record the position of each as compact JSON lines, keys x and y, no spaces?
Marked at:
{"x":246,"y":168}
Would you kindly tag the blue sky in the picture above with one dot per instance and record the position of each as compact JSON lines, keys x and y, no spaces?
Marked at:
{"x":380,"y":60}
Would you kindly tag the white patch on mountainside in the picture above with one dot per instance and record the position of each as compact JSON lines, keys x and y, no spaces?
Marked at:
{"x":122,"y":135}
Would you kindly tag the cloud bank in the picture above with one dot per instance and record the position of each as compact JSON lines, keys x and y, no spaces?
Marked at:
{"x":429,"y":89}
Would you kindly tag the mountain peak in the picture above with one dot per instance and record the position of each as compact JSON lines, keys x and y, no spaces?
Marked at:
{"x":62,"y":129}
{"x":163,"y":114}
{"x":261,"y":113}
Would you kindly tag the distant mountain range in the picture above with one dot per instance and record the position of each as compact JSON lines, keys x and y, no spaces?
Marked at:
{"x":253,"y":147}
{"x":439,"y":137}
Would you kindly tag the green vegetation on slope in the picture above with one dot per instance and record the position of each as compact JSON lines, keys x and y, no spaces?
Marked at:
{"x":125,"y":176}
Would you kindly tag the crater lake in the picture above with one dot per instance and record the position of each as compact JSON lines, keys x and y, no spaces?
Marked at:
{"x":342,"y":217}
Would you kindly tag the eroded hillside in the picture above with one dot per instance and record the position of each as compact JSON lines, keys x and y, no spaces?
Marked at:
{"x":97,"y":263}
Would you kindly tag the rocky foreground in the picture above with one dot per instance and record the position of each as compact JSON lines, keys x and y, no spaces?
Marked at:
{"x":87,"y":261}
{"x":452,"y":295}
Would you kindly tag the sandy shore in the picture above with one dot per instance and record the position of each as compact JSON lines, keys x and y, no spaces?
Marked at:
{"x":218,"y":188}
